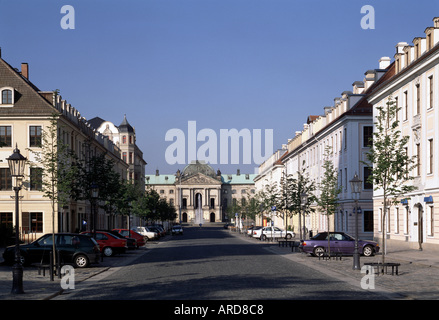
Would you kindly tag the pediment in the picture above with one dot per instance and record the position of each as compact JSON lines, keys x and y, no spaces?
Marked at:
{"x":200,"y":178}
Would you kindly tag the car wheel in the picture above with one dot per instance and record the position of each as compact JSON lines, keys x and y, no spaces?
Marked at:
{"x":23,"y":259}
{"x":318,"y":251}
{"x":289,"y":236}
{"x":263,"y":237}
{"x":368,"y":251}
{"x":81,"y":261}
{"x":108,"y":251}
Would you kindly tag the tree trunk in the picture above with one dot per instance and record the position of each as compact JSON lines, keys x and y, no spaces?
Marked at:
{"x":383,"y":225}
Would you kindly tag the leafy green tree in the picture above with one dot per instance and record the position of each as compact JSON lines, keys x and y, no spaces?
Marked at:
{"x":329,"y":189}
{"x":150,"y":205}
{"x":55,"y":162}
{"x":391,"y":164}
{"x":292,"y":187}
{"x":251,"y":206}
{"x":97,"y":170}
{"x":234,"y":208}
{"x":270,"y":198}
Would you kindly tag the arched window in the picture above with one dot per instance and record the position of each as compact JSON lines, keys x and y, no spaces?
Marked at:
{"x":7,"y":96}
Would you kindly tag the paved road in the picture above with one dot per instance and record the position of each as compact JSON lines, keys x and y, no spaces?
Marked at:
{"x":212,"y":264}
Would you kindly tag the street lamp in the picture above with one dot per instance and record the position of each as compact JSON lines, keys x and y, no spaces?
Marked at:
{"x":16,"y":164}
{"x":180,"y":195}
{"x":304,"y":202}
{"x":356,"y":184}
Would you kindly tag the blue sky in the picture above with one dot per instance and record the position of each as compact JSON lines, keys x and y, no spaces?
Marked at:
{"x":244,"y":64}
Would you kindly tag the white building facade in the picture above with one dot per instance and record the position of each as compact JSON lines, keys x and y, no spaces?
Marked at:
{"x":346,"y":127}
{"x":414,"y":87}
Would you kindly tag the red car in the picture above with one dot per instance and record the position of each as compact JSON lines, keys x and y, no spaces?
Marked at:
{"x":141,"y":241}
{"x":109,"y":243}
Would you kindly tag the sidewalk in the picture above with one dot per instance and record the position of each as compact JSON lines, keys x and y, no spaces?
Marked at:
{"x":39,"y":287}
{"x":418,"y":273}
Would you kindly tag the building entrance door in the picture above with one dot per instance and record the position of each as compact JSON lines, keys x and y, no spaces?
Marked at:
{"x":418,"y":225}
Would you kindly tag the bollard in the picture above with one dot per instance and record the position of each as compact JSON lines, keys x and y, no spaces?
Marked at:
{"x":51,"y":265}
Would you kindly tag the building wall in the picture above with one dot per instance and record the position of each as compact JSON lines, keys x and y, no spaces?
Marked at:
{"x":33,"y":108}
{"x":221,"y":193}
{"x":416,"y":220}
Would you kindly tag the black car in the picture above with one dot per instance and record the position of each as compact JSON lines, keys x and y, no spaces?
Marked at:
{"x":77,"y":249}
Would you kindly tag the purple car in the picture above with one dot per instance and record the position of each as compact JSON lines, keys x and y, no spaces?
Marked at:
{"x":338,"y":242}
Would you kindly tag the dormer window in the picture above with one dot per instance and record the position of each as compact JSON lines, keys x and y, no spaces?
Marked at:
{"x":7,"y":96}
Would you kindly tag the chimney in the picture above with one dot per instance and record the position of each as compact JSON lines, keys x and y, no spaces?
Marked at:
{"x":385,"y":61}
{"x":358,"y":87}
{"x":436,"y":22}
{"x":238,"y":172}
{"x":25,"y":70}
{"x":400,"y":47}
{"x":157,"y":172}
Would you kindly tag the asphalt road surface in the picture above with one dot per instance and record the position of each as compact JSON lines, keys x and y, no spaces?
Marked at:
{"x":209,"y":263}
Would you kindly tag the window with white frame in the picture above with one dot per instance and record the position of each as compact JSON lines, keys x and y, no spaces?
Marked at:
{"x":7,"y":96}
{"x":5,"y":136}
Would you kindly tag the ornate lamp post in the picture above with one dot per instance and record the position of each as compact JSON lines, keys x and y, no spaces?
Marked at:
{"x":356,"y":184}
{"x":303,"y":201}
{"x":16,"y":164}
{"x":180,"y":195}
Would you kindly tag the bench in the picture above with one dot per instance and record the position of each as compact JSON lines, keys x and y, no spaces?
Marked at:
{"x":384,"y":266}
{"x":328,"y":255}
{"x":284,"y":243}
{"x":43,"y":267}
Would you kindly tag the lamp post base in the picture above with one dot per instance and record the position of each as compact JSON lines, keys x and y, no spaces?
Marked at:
{"x":17,"y":279}
{"x":356,"y":265}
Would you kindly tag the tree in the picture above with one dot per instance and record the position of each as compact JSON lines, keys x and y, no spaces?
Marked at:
{"x":251,"y":207}
{"x":329,"y":189}
{"x":270,"y":198}
{"x":97,"y":170}
{"x":233,"y":209}
{"x":54,"y":161}
{"x":292,"y":189}
{"x":150,"y":204}
{"x":391,"y":164}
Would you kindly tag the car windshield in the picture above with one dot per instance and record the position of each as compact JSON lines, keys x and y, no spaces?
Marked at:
{"x":124,"y":233}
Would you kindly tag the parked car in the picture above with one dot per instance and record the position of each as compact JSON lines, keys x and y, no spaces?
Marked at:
{"x":77,"y":249}
{"x":177,"y":230}
{"x":157,"y":230}
{"x":251,"y":229}
{"x":109,"y":243}
{"x":161,"y":229}
{"x":144,"y":231}
{"x":131,"y":242}
{"x":140,"y":239}
{"x":272,"y":232}
{"x":338,"y":242}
